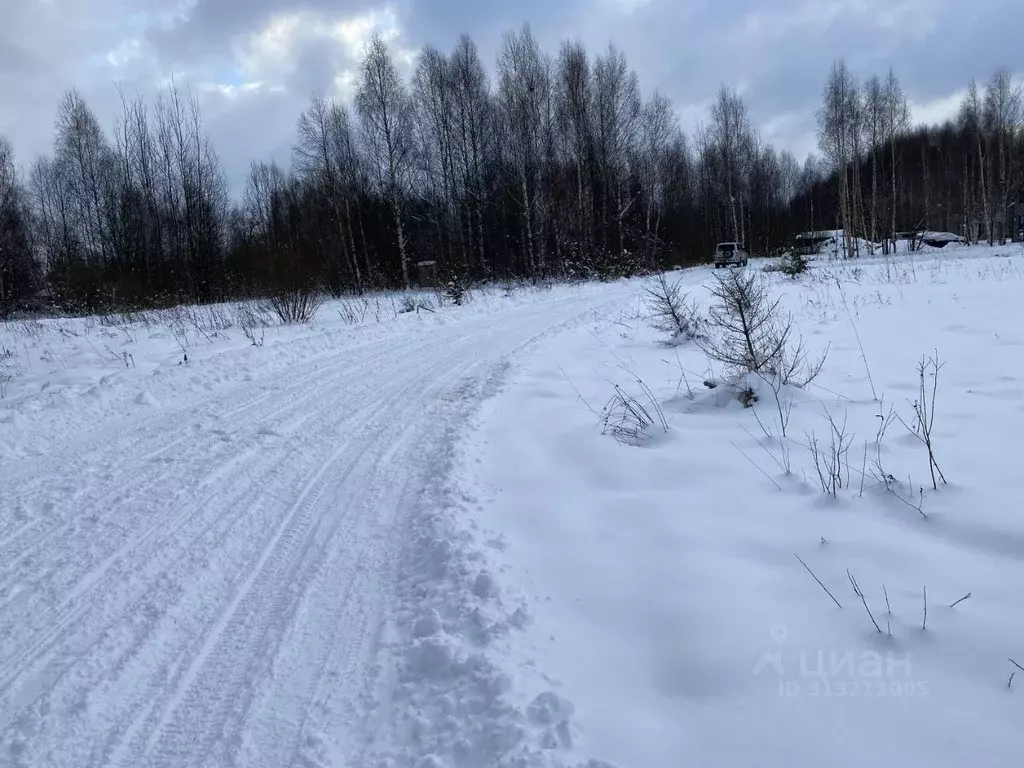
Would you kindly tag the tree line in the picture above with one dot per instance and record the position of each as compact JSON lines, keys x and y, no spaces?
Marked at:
{"x":886,"y":177}
{"x":559,"y":168}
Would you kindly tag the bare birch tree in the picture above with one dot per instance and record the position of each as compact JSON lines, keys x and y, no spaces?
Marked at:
{"x":324,"y":158}
{"x":837,"y":126}
{"x":616,"y":113}
{"x":732,"y":142}
{"x":386,"y":116}
{"x":84,"y":159}
{"x":874,"y":127}
{"x":523,"y":86}
{"x":1002,"y":119}
{"x":897,"y":123}
{"x":433,"y":100}
{"x":18,"y":270}
{"x":973,"y":122}
{"x":658,"y":128}
{"x":574,"y":105}
{"x":473,"y":141}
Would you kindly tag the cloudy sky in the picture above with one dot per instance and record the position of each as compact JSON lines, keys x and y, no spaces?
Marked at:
{"x":255,"y":62}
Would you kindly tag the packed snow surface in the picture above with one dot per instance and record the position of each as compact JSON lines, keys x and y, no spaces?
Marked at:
{"x":403,"y":540}
{"x":247,"y":558}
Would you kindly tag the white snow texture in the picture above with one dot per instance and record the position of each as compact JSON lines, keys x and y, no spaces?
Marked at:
{"x":406,"y":542}
{"x":252,"y":558}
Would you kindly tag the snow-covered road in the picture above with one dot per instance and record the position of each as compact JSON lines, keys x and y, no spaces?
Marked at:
{"x":205,"y":584}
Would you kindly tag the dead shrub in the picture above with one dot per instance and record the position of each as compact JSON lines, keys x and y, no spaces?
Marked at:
{"x":831,"y":462}
{"x":297,"y":305}
{"x":628,"y":420}
{"x":922,"y":424}
{"x":297,"y":293}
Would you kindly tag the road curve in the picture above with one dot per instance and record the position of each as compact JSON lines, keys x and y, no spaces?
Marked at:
{"x":206,"y":586}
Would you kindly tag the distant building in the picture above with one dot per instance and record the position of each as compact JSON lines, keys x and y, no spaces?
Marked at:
{"x":939,"y":239}
{"x":813,"y":243}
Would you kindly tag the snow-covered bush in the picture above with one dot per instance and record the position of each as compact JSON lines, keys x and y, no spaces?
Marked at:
{"x":455,"y":290}
{"x":793,"y":265}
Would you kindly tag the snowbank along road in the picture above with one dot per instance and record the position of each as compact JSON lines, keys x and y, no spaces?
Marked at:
{"x":206,"y":583}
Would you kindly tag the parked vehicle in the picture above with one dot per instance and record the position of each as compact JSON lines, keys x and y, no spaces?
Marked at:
{"x":730,"y":255}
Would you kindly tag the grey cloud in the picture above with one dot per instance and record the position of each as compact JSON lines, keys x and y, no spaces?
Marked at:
{"x":688,"y":49}
{"x":685,"y":49}
{"x":250,"y":127}
{"x":210,"y":25}
{"x":51,"y":47}
{"x":316,"y":66}
{"x":15,"y":60}
{"x":440,"y":22}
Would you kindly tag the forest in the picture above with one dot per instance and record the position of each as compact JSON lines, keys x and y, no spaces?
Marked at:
{"x":560,"y":167}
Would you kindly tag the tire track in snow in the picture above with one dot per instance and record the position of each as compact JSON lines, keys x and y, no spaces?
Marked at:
{"x":184,"y":737}
{"x":381,"y":404}
{"x":225,"y":406}
{"x":240,"y":629}
{"x":60,"y":538}
{"x":68,"y":621}
{"x":290,"y":743}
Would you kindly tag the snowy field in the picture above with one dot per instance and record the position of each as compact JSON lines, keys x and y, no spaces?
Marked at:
{"x":404,"y":539}
{"x":668,"y":610}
